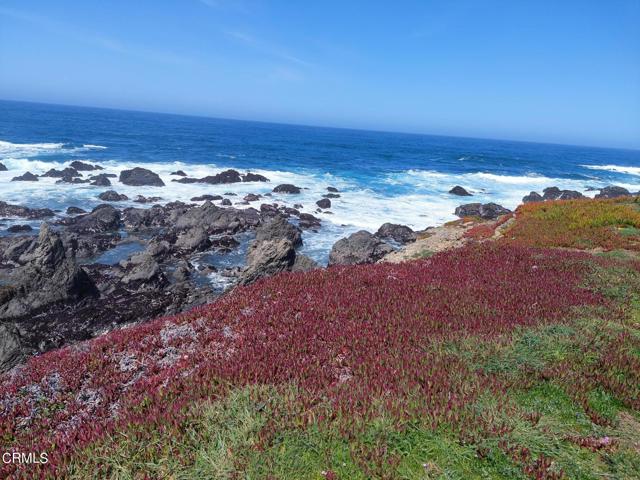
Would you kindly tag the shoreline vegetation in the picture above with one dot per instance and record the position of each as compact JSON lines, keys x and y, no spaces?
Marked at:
{"x":501,"y":345}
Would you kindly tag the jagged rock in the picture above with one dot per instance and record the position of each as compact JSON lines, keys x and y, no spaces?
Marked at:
{"x":12,"y":351}
{"x":551,"y":193}
{"x":268,"y":258}
{"x":613,"y":191}
{"x":251,"y":197}
{"x":8,"y":210}
{"x":324,"y":203}
{"x":101,"y":180}
{"x":203,"y":198}
{"x":487,"y":211}
{"x":193,"y":240}
{"x":226,"y":202}
{"x":19,"y":228}
{"x":179,"y":173}
{"x":67,"y":172}
{"x":286,"y":188}
{"x":103,"y":218}
{"x":308,"y":221}
{"x":332,"y":189}
{"x":48,"y":276}
{"x":532,"y":197}
{"x":112,"y":196}
{"x":218,"y":220}
{"x":143,"y":199}
{"x":75,"y":211}
{"x":268,"y":210}
{"x":3,"y":168}
{"x":84,"y":167}
{"x":398,"y":233}
{"x":570,"y":195}
{"x":138,"y":177}
{"x":359,"y":247}
{"x":228,"y":176}
{"x":303,"y":263}
{"x":277,"y":229}
{"x":27,"y":177}
{"x":460,"y":191}
{"x":254,"y":177}
{"x":72,"y":180}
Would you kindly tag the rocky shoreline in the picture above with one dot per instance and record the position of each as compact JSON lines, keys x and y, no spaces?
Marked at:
{"x":55,"y":289}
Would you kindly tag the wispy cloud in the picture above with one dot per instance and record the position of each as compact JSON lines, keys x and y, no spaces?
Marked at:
{"x":98,"y":40}
{"x":266,"y":48}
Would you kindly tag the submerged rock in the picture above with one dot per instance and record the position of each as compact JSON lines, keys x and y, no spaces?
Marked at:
{"x":460,"y":191}
{"x":179,"y":173}
{"x":3,"y":168}
{"x":254,"y":177}
{"x":112,"y":196}
{"x":84,"y":167}
{"x":8,"y":210}
{"x":287,"y":188}
{"x":138,"y":177}
{"x":203,"y":198}
{"x":324,"y":203}
{"x":359,"y":247}
{"x":101,"y":180}
{"x":67,"y":172}
{"x":75,"y":211}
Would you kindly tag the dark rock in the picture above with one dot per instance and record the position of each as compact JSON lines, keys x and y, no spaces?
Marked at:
{"x":228,"y":176}
{"x":140,"y":177}
{"x":308,"y":221}
{"x":251,"y":197}
{"x":8,"y":210}
{"x":268,"y":210}
{"x":72,"y":180}
{"x":19,"y":228}
{"x":254,"y":177}
{"x":613,"y":191}
{"x":298,"y":206}
{"x":218,"y":220}
{"x":226,"y":202}
{"x":458,"y":190}
{"x":286,"y":188}
{"x":179,"y":173}
{"x":277,"y":229}
{"x":288,"y":211}
{"x":324,"y":203}
{"x":359,"y":247}
{"x":27,"y":177}
{"x":193,"y":240}
{"x":67,"y":172}
{"x":231,"y":194}
{"x":331,"y":195}
{"x":75,"y":211}
{"x":3,"y":168}
{"x":268,"y":258}
{"x":398,"y":233}
{"x":143,"y":272}
{"x":112,"y":196}
{"x":303,"y":263}
{"x":48,"y":277}
{"x":570,"y":195}
{"x":225,"y":242}
{"x":101,"y":180}
{"x":204,"y":198}
{"x":532,"y":197}
{"x":551,"y":193}
{"x":103,"y":218}
{"x":143,"y":199}
{"x":12,"y":352}
{"x":487,"y":211}
{"x":332,"y":189}
{"x":85,"y":167}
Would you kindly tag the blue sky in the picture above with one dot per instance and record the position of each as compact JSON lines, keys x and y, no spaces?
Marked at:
{"x":556,"y":71}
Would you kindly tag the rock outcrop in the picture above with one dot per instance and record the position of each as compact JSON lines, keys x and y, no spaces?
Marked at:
{"x":139,"y":177}
{"x":460,"y":191}
{"x":486,"y":211}
{"x":613,"y":191}
{"x":8,"y":210}
{"x":359,"y":247}
{"x":287,"y":188}
{"x":112,"y":196}
{"x":84,"y":167}
{"x":398,"y":233}
{"x":26,"y":177}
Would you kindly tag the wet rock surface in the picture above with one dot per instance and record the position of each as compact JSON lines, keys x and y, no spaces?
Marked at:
{"x":138,"y":177}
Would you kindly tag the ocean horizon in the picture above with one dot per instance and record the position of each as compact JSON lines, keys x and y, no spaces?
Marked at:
{"x":383,"y":177}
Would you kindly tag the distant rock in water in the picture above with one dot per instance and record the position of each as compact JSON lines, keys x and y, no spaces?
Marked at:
{"x":3,"y":168}
{"x":551,"y":193}
{"x":359,"y":247}
{"x":287,"y":188}
{"x":19,"y":228}
{"x":226,"y":202}
{"x":72,"y":180}
{"x":75,"y":211}
{"x":67,"y":172}
{"x":308,"y":221}
{"x":532,"y":197}
{"x":252,"y":197}
{"x":139,"y":177}
{"x":324,"y":203}
{"x":487,"y":211}
{"x":204,"y":198}
{"x":254,"y":177}
{"x":101,"y":180}
{"x":398,"y":233}
{"x":27,"y":177}
{"x":8,"y":210}
{"x":143,"y":199}
{"x":460,"y":191}
{"x":332,"y":189}
{"x":179,"y":173}
{"x":112,"y":196}
{"x":613,"y":191}
{"x":85,"y":167}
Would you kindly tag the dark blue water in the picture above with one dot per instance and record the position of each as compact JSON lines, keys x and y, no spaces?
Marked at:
{"x":383,"y":176}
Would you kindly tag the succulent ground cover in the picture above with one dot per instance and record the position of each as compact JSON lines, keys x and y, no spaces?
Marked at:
{"x":496,"y":360}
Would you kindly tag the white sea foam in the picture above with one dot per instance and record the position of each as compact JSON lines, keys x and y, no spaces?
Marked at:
{"x":614,"y":168}
{"x":94,"y":147}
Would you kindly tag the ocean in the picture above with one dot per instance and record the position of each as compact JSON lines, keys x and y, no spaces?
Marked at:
{"x":382,"y":176}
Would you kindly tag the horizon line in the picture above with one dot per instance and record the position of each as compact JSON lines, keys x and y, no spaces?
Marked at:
{"x":304,"y":125}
